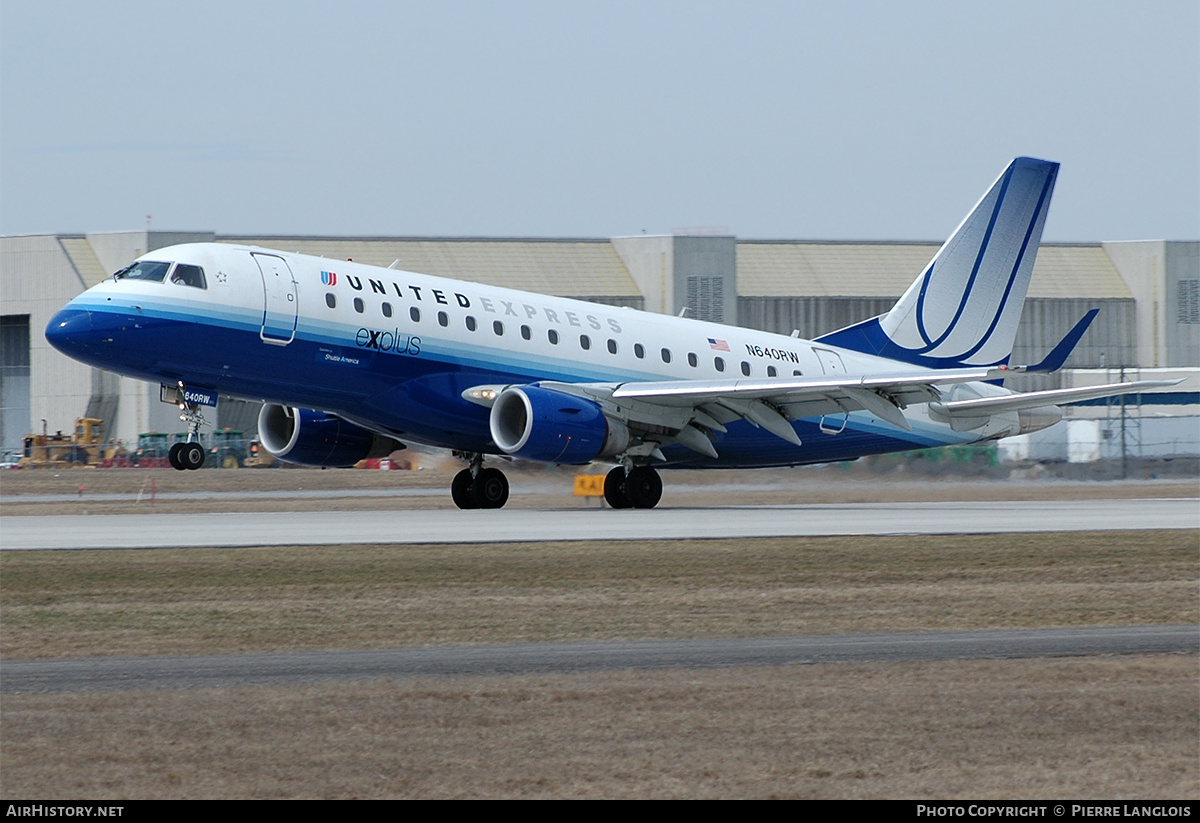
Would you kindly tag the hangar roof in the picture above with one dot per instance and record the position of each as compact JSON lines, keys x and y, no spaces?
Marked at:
{"x":592,"y":268}
{"x":84,"y":259}
{"x":831,"y":269}
{"x":568,"y":268}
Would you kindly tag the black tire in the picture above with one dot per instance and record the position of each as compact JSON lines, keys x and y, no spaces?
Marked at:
{"x":460,"y":490}
{"x":490,"y":489}
{"x":173,"y":456}
{"x":643,"y":487}
{"x":191,"y":456}
{"x":614,"y":489}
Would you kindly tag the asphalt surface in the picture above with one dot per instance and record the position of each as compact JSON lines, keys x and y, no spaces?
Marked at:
{"x":144,"y":531}
{"x":224,"y":671}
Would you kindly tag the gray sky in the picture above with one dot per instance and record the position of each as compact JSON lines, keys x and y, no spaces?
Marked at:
{"x":867,"y":120}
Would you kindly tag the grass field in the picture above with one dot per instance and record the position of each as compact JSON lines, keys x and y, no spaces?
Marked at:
{"x":1099,"y":727}
{"x":1093,"y":728}
{"x":195,"y":601}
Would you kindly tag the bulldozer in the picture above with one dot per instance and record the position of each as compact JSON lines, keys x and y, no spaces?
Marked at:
{"x":84,"y":447}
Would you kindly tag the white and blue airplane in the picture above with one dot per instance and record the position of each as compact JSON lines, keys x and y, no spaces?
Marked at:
{"x":352,"y":360}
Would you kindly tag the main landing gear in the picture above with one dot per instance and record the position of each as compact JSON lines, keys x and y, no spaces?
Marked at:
{"x":188,"y":456}
{"x":639,"y":487}
{"x":476,"y":487}
{"x":479,"y":488}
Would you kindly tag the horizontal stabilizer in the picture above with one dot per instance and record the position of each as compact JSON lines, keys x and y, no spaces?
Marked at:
{"x":985,"y":406}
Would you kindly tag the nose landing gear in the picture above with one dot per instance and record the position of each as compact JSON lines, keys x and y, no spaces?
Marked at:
{"x":188,"y":456}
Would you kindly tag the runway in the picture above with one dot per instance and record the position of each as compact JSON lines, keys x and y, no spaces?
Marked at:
{"x":309,"y":528}
{"x":224,"y":671}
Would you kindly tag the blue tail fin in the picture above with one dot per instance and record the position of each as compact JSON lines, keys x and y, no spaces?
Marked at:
{"x":964,"y":308}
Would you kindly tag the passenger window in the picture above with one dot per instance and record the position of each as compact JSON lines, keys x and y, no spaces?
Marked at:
{"x":745,"y":368}
{"x":719,"y":362}
{"x":526,"y":332}
{"x":692,"y":361}
{"x":358,"y":305}
{"x":415,"y":314}
{"x":770,"y":371}
{"x":498,"y":328}
{"x":443,"y":319}
{"x":330,"y":300}
{"x":797,"y":373}
{"x":387,"y":309}
{"x":186,"y":275}
{"x":639,"y":351}
{"x":552,"y":336}
{"x":666,"y":355}
{"x":470,"y":323}
{"x":585,"y":342}
{"x":612,"y":346}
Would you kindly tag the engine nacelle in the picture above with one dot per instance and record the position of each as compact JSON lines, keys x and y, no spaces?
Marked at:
{"x":555,"y":427}
{"x":314,"y":438}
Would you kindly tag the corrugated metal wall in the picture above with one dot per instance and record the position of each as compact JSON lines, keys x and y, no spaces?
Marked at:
{"x":813,"y":316}
{"x":14,"y":380}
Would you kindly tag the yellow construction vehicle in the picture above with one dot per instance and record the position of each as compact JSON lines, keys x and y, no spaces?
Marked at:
{"x":85,"y":447}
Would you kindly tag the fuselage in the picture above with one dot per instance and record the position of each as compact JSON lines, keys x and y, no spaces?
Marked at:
{"x":393,"y":351}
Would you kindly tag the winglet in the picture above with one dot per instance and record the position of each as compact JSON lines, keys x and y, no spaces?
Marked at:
{"x":1059,"y":354}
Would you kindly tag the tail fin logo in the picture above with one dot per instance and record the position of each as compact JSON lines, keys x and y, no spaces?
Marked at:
{"x":964,"y":308}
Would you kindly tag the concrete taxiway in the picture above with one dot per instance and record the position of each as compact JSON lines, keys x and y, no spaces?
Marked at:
{"x":144,"y":531}
{"x":218,"y":671}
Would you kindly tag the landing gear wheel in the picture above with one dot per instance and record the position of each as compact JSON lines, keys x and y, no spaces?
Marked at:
{"x":191,"y":456}
{"x":490,"y":489}
{"x":643,"y":487}
{"x":460,"y":490}
{"x":614,"y":489}
{"x":173,"y":456}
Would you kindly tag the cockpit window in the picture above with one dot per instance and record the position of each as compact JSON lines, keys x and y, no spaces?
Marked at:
{"x":144,"y":270}
{"x":188,"y":275}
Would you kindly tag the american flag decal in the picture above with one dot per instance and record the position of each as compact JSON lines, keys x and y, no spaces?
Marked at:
{"x":717,"y":345}
{"x":329,"y":278}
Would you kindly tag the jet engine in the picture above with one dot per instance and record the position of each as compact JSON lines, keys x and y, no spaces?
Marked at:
{"x":314,"y":438}
{"x":554,"y":427}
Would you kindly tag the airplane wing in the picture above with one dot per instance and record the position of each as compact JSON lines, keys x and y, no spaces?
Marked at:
{"x":687,"y":411}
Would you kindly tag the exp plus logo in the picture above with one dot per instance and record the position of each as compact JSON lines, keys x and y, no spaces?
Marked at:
{"x":388,"y":341}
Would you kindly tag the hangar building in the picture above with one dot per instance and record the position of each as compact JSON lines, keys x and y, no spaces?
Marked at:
{"x":1148,"y":293}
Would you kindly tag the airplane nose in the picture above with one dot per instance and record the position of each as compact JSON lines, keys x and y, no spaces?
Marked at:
{"x":71,"y":331}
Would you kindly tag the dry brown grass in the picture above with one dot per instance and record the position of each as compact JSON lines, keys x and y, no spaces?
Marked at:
{"x":1097,"y":728}
{"x":194,"y":601}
